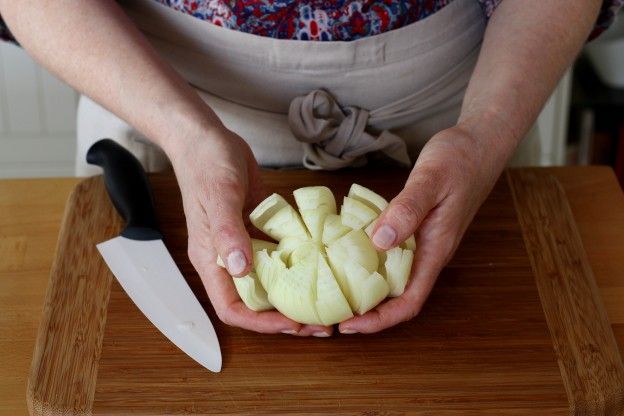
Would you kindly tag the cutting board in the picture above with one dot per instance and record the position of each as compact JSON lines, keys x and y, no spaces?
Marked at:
{"x":514,"y":326}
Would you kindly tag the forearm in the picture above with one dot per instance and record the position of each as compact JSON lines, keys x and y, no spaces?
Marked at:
{"x":95,"y":48}
{"x":528,"y":44}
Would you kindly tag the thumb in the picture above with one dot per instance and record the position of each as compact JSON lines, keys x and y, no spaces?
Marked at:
{"x":407,"y":210}
{"x":224,"y":208}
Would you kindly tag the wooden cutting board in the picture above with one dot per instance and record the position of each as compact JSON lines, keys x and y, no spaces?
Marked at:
{"x":514,"y":326}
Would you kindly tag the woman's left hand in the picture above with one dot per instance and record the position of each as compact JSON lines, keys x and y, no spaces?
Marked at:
{"x":453,"y":175}
{"x":456,"y":170}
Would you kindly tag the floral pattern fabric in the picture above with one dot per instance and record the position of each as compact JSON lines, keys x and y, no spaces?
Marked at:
{"x":607,"y":14}
{"x":327,"y":20}
{"x":324,"y":20}
{"x":337,"y":20}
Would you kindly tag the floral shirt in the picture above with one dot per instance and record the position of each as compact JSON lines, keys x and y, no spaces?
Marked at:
{"x":337,"y":20}
{"x":326,"y":20}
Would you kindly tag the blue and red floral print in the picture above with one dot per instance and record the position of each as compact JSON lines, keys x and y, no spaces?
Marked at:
{"x":607,"y":14}
{"x":310,"y":19}
{"x":324,"y":20}
{"x":337,"y":20}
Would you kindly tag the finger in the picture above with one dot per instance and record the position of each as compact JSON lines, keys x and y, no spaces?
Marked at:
{"x":226,"y":302}
{"x":388,"y":314}
{"x":316,"y":331}
{"x":223,"y":206}
{"x":233,"y":311}
{"x":408,"y":209}
{"x":257,"y":191}
{"x":429,"y":259}
{"x":267,"y":322}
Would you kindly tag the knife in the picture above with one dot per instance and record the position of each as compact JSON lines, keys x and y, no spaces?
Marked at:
{"x":142,"y":264}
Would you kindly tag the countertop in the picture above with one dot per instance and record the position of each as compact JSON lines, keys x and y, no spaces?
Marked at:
{"x":31,"y":211}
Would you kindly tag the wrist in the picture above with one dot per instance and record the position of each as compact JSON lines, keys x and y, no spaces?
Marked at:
{"x":474,"y":151}
{"x":183,"y":129}
{"x":491,"y":132}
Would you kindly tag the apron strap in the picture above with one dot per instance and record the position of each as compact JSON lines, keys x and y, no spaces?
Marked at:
{"x":334,"y":137}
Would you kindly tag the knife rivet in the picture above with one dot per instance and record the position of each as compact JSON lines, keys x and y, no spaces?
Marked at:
{"x":186,"y":326}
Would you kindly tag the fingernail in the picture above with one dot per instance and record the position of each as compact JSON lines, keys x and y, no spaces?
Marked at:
{"x":289,"y":332}
{"x":348,"y":331}
{"x":236,"y":262}
{"x":320,"y":334}
{"x":384,"y":237}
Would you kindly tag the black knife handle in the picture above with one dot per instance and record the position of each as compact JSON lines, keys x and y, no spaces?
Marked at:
{"x":128,"y":188}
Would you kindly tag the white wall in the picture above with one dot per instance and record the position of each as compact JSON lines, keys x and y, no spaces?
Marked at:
{"x":37,"y":118}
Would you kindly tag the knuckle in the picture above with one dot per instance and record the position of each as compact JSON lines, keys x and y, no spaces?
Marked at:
{"x":197,"y":245}
{"x":413,"y":312}
{"x":228,"y":177}
{"x":405,"y":209}
{"x":448,"y":243}
{"x":226,"y":316}
{"x":224,"y":232}
{"x":193,"y":251}
{"x":380,"y":321}
{"x":227,"y":185}
{"x":431,"y":180}
{"x":411,"y":306}
{"x":429,"y":177}
{"x":218,"y":191}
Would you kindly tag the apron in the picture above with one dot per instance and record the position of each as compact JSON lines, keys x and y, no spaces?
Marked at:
{"x":320,"y":104}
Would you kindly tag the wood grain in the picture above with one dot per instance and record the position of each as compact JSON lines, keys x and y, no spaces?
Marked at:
{"x":66,"y":357}
{"x":594,"y":195}
{"x":30,"y":216}
{"x":588,"y":356}
{"x":480,"y":346}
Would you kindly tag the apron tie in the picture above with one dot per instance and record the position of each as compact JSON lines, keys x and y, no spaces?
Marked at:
{"x":334,"y":137}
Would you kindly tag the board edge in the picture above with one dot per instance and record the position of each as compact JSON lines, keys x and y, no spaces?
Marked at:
{"x":591,"y":396}
{"x":38,"y":403}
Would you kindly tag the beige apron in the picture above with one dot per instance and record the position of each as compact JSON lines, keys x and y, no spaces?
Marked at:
{"x":321,"y":104}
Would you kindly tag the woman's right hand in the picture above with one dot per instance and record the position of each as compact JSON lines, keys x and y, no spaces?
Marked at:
{"x":94,"y":46}
{"x":220,"y":182}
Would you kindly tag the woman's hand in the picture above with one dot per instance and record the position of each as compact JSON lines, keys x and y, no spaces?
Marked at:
{"x":456,"y":170}
{"x":452,"y":177}
{"x":220,"y":182}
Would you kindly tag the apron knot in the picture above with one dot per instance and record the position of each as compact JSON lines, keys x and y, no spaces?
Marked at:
{"x":335,"y":137}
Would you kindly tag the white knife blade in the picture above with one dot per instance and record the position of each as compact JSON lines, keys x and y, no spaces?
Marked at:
{"x":142,"y":264}
{"x":152,"y":280}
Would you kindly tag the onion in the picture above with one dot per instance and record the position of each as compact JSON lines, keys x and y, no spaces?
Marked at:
{"x":325,"y":267}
